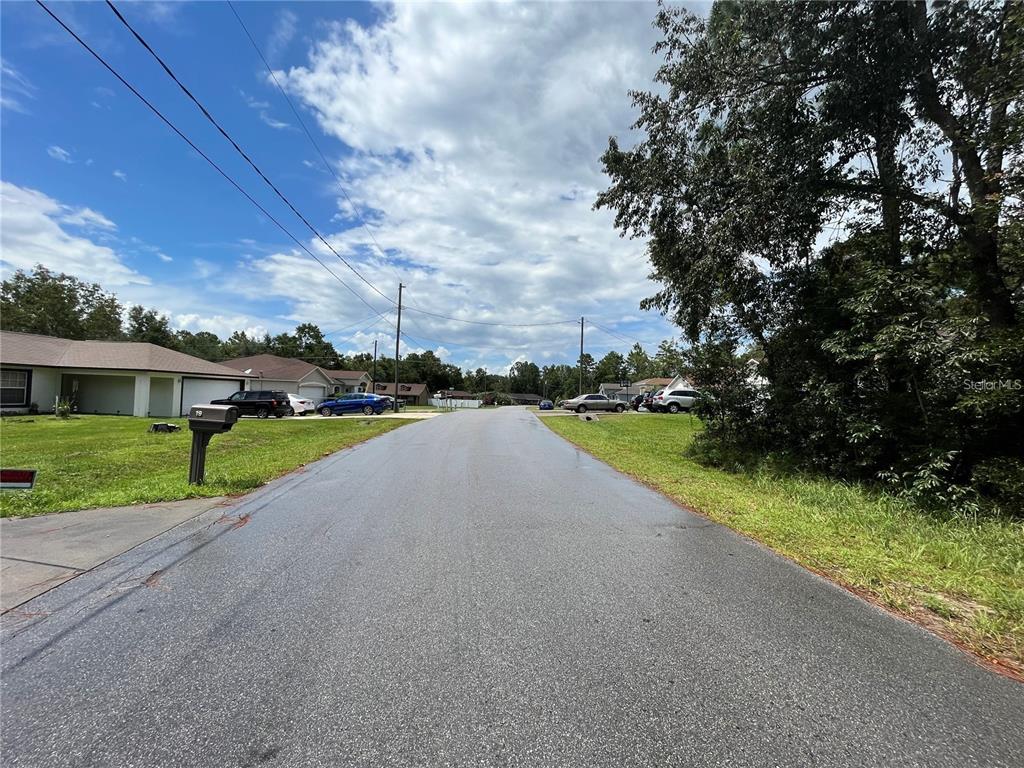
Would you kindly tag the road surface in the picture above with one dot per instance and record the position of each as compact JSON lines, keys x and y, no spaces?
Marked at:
{"x":472,"y":590}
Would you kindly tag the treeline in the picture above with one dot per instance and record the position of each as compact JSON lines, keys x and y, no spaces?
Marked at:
{"x":842,"y":204}
{"x":55,"y":304}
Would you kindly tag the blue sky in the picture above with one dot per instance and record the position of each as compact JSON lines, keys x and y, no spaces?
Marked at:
{"x":467,"y":137}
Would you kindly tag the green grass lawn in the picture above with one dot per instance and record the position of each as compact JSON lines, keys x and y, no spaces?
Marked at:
{"x":107,"y":461}
{"x":962,"y":578}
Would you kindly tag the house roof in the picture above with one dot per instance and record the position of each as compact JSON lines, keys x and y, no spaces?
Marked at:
{"x":51,"y":352}
{"x":345,"y":374}
{"x":611,"y":385}
{"x":412,"y":390}
{"x":274,"y":367}
{"x":655,"y":382}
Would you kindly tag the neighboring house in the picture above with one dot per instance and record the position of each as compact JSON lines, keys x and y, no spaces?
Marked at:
{"x":609,"y":390}
{"x":413,"y":394}
{"x":651,"y":385}
{"x":112,"y":377}
{"x":295,"y":376}
{"x":524,"y":399}
{"x":351,"y":381}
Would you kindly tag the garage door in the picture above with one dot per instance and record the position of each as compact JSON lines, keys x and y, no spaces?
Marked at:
{"x":204,"y":390}
{"x":314,"y":392}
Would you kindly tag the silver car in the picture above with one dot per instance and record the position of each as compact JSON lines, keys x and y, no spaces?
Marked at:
{"x":585,"y":403}
{"x":675,"y":401}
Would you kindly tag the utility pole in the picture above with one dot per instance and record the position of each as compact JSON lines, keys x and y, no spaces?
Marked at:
{"x":581,"y":355}
{"x":374,"y":378}
{"x":398,"y":338}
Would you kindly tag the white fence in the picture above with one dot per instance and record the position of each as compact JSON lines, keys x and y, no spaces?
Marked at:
{"x":453,"y":403}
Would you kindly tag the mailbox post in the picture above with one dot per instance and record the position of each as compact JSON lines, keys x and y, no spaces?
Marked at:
{"x":205,"y":421}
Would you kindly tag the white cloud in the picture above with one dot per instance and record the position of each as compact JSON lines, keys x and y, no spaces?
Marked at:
{"x":59,"y":153}
{"x":33,"y":232}
{"x":278,"y":124}
{"x":164,"y":257}
{"x":15,"y":88}
{"x":120,"y":175}
{"x":205,"y":268}
{"x":282,"y":35}
{"x":85,"y":217}
{"x":476,"y":132}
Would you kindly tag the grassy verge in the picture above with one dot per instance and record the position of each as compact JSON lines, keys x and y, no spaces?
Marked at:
{"x":106,"y":461}
{"x":961,"y":578}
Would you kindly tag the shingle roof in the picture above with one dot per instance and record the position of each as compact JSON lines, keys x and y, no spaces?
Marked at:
{"x":345,"y":374}
{"x":49,"y":351}
{"x":273,"y":367}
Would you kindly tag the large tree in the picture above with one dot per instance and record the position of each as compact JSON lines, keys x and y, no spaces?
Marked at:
{"x":150,"y":326}
{"x":59,"y":305}
{"x":836,"y":188}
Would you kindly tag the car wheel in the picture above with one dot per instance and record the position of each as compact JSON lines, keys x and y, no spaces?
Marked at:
{"x":325,"y":412}
{"x":581,"y":409}
{"x":290,"y":411}
{"x":620,"y":408}
{"x":673,"y":408}
{"x":368,"y":410}
{"x":262,"y":413}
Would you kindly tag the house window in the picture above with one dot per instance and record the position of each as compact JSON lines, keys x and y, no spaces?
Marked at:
{"x":14,"y":388}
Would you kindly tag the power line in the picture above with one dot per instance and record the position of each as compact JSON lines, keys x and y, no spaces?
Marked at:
{"x":202,"y":154}
{"x":249,"y":160}
{"x":309,"y":135}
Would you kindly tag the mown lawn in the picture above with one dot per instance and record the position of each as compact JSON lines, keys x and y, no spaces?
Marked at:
{"x":107,"y":461}
{"x":962,"y":578}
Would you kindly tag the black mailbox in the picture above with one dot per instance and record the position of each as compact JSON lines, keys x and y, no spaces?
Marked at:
{"x":212,"y":418}
{"x":205,"y":421}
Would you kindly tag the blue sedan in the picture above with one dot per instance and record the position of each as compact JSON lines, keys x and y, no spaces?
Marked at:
{"x":357,"y":402}
{"x":547,"y":405}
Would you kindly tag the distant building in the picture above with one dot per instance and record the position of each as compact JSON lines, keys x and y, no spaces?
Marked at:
{"x":350,"y":381}
{"x":453,"y":394}
{"x":413,"y":394}
{"x":524,"y":399}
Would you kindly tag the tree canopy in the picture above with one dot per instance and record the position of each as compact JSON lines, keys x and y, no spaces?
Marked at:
{"x":833,"y":191}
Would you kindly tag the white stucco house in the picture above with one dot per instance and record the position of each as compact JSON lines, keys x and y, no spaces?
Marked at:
{"x":110,"y":377}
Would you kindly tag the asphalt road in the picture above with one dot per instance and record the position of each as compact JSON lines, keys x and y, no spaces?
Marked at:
{"x":473,"y":591}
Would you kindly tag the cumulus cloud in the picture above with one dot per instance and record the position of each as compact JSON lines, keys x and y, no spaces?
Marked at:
{"x":34,"y":231}
{"x":164,"y":257}
{"x":120,"y":175}
{"x":59,"y":153}
{"x":476,"y":132}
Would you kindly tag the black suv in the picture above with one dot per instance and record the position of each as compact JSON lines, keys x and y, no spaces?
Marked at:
{"x":260,"y":403}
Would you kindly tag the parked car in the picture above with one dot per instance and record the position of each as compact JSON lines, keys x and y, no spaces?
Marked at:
{"x":585,"y":403}
{"x":356,"y":402}
{"x":300,"y":406}
{"x":546,"y":405}
{"x":648,"y":402}
{"x":260,"y":403}
{"x":636,"y":402}
{"x":675,"y":401}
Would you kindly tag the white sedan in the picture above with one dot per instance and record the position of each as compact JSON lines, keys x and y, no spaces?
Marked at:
{"x":300,"y":406}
